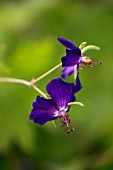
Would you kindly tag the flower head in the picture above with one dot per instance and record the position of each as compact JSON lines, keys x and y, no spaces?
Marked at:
{"x":74,"y":60}
{"x":61,"y":94}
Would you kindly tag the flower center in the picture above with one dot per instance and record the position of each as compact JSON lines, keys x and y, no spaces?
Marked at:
{"x":66,"y":121}
{"x":87,"y":61}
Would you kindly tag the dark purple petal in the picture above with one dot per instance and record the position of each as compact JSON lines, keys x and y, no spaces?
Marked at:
{"x":43,"y":110}
{"x":72,"y":58}
{"x":41,"y":116}
{"x":78,"y":85}
{"x":61,"y":92}
{"x":66,"y":43}
{"x":76,"y":51}
{"x":45,"y":104}
{"x":67,"y":71}
{"x":72,"y":99}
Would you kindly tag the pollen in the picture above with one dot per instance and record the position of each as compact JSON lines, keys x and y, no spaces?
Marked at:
{"x":88,"y":60}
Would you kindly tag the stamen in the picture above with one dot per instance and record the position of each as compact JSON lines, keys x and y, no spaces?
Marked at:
{"x":70,"y":130}
{"x":92,"y":64}
{"x":98,"y":63}
{"x":61,"y":124}
{"x":82,"y":66}
{"x":66,"y":121}
{"x":88,"y":60}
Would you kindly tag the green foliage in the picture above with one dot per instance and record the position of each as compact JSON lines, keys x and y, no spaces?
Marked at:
{"x":28,"y":31}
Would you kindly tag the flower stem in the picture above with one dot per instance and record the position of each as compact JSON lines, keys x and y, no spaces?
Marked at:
{"x":82,"y":45}
{"x":39,"y":91}
{"x":15,"y":80}
{"x":47,"y":73}
{"x":76,"y":103}
{"x":32,"y":82}
{"x":21,"y":81}
{"x":90,"y":47}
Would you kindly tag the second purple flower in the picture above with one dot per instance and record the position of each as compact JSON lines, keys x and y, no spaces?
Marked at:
{"x":71,"y":62}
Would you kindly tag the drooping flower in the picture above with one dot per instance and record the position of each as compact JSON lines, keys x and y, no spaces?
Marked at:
{"x":74,"y":60}
{"x":61,"y":93}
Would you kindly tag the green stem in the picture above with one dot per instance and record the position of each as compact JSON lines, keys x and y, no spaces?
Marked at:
{"x":76,"y":103}
{"x":89,"y":47}
{"x":39,"y":91}
{"x":15,"y":80}
{"x":82,"y":45}
{"x":24,"y":82}
{"x":47,"y":73}
{"x":32,"y":82}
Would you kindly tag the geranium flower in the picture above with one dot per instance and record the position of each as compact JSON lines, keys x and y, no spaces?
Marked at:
{"x":74,"y":60}
{"x":61,"y":93}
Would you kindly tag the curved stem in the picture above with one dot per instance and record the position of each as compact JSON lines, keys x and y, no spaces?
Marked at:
{"x":15,"y":80}
{"x":32,"y":82}
{"x":21,"y":81}
{"x":82,"y":45}
{"x":90,"y":47}
{"x":39,"y":91}
{"x":47,"y":73}
{"x":75,"y":103}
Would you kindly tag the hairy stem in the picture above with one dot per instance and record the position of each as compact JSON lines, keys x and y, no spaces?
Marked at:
{"x":32,"y":82}
{"x":24,"y":82}
{"x":15,"y":80}
{"x":89,"y":47}
{"x":47,"y":73}
{"x":39,"y":91}
{"x":75,"y":103}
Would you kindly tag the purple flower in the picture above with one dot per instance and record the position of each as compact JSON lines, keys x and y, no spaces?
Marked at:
{"x":74,"y":60}
{"x":61,"y":94}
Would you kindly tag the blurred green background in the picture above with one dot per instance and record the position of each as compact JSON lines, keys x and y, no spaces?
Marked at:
{"x":28,"y":48}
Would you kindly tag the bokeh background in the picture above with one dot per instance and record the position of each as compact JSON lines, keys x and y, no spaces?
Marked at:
{"x":28,"y":48}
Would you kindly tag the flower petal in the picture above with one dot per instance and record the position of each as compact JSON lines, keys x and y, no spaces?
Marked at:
{"x":72,"y":57}
{"x":45,"y":104}
{"x":43,"y":110}
{"x":67,"y":71}
{"x":66,"y":43}
{"x":61,"y":92}
{"x":40,"y":116}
